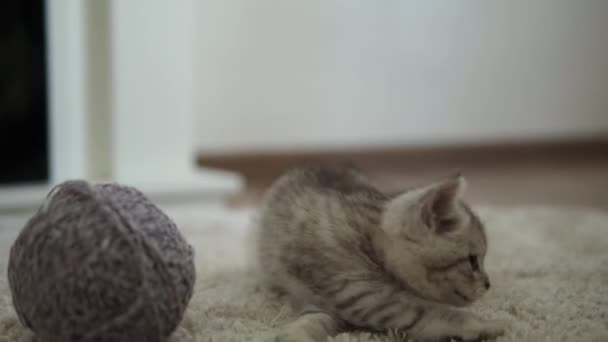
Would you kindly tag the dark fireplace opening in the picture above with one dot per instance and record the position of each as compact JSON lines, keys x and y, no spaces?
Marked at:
{"x":24,"y":146}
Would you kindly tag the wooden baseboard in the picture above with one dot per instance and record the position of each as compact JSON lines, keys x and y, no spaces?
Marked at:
{"x":265,"y":166}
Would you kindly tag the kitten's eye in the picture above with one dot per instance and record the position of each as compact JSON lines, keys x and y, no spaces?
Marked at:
{"x":474,"y":262}
{"x":447,"y":224}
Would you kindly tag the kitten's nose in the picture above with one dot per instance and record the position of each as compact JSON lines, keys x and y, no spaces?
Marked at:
{"x":487,"y":284}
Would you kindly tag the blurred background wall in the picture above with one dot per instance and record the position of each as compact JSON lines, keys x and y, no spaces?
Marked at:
{"x":285,"y":75}
{"x":150,"y":90}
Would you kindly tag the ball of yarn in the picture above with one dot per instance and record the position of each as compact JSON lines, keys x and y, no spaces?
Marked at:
{"x":100,"y":263}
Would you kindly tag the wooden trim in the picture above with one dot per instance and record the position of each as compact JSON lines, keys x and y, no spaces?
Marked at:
{"x":264,"y":166}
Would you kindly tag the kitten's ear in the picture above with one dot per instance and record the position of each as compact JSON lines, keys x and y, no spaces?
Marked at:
{"x":434,"y":204}
{"x":439,"y":203}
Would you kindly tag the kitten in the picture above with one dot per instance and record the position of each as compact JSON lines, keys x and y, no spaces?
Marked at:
{"x":346,"y":253}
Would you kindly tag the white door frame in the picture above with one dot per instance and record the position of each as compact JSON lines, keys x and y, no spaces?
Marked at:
{"x":109,"y":115}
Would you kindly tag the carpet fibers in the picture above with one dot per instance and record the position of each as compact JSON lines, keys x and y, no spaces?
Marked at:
{"x":549,"y":270}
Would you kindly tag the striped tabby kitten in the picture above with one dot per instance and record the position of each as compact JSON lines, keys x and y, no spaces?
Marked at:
{"x":347,"y":254}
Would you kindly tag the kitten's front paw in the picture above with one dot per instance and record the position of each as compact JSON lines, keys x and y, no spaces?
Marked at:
{"x":482,"y":331}
{"x":293,"y":336}
{"x":492,"y":330}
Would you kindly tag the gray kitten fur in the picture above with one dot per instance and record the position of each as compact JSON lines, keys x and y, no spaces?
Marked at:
{"x":346,"y":253}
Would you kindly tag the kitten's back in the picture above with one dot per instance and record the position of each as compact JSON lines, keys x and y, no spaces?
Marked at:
{"x":310,"y":218}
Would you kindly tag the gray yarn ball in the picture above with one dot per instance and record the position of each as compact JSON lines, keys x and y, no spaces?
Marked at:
{"x":100,"y":263}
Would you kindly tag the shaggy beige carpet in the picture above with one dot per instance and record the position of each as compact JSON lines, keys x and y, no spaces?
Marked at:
{"x":549,"y":268}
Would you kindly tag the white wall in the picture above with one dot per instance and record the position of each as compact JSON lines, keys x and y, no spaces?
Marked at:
{"x":277,"y":74}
